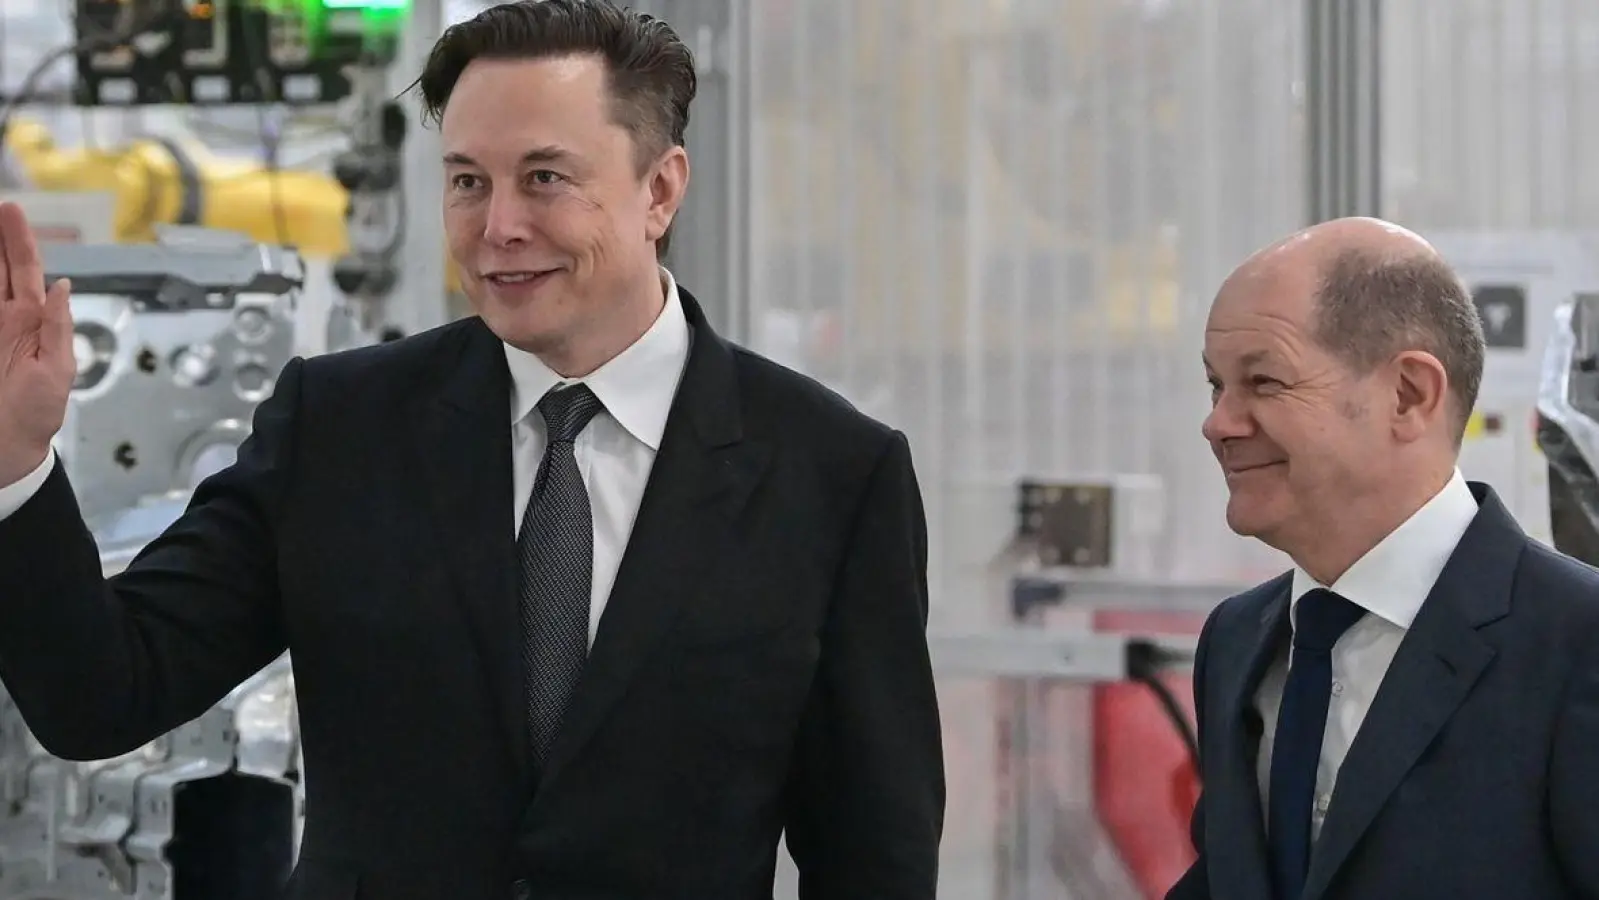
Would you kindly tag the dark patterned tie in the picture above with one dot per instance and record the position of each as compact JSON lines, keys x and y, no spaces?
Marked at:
{"x":556,"y":545}
{"x":1322,"y":618}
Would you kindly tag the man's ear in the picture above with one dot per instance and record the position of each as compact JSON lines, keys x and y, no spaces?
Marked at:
{"x":668,"y":184}
{"x":1421,"y":401}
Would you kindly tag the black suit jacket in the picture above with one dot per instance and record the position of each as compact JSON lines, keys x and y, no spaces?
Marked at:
{"x":1476,"y":772}
{"x":761,"y":664}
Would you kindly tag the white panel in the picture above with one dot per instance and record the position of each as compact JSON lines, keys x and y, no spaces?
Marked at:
{"x":1490,"y":116}
{"x":998,"y":227}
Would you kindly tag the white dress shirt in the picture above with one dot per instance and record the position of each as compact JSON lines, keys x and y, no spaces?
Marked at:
{"x":614,"y":453}
{"x":14,"y":495}
{"x":617,"y":450}
{"x":1390,"y":583}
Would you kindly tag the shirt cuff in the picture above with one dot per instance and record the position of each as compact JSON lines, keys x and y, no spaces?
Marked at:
{"x":14,"y":496}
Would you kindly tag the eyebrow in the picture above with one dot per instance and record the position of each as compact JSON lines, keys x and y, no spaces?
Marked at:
{"x":1248,"y":359}
{"x":546,"y":154}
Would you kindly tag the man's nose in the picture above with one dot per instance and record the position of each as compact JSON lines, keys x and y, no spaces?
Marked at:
{"x":506,"y":221}
{"x":1228,"y":419}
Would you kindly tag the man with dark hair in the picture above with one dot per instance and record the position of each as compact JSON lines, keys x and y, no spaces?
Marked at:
{"x":1413,"y":710}
{"x":583,"y":600}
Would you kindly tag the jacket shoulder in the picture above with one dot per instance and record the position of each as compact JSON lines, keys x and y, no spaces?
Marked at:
{"x":423,"y":350}
{"x":1557,"y":591}
{"x":1248,"y":607}
{"x":782,"y":403}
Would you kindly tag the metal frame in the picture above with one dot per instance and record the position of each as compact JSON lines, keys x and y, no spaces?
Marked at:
{"x":1088,"y":656}
{"x":709,"y":254}
{"x":418,"y":301}
{"x":1343,"y":110}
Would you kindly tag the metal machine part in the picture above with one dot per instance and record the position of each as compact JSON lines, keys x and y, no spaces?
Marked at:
{"x":1050,"y":836}
{"x":371,"y":171}
{"x":1568,"y":426}
{"x":211,"y":809}
{"x":227,"y":51}
{"x":1105,"y":525}
{"x":1093,"y":657}
{"x":177,"y":343}
{"x":1519,"y":281}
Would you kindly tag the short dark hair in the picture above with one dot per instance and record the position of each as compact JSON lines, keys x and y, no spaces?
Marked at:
{"x":1370,"y":308}
{"x":650,"y":70}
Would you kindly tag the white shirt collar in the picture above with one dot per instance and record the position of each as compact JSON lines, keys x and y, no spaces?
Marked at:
{"x":1394,"y":578}
{"x":636,"y":386}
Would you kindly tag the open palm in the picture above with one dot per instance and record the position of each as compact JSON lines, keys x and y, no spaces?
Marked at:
{"x":36,"y":361}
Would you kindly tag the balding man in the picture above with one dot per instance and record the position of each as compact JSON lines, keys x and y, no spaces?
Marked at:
{"x":1413,"y":711}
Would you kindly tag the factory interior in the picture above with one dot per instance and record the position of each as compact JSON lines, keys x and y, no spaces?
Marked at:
{"x":996,"y":226}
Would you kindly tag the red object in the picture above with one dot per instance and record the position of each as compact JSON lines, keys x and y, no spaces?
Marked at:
{"x":1145,"y":785}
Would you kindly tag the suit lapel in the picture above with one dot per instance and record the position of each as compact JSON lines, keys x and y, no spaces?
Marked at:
{"x":698,"y":486}
{"x":463,"y":444}
{"x":1233,"y":806}
{"x":1438,"y":663}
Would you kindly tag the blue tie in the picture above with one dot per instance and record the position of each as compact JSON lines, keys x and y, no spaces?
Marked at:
{"x":1322,"y":618}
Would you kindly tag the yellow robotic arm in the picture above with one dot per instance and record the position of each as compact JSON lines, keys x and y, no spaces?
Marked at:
{"x":163,"y":182}
{"x":160,"y":182}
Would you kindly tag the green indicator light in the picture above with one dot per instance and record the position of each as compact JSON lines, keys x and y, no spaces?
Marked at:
{"x":373,"y":5}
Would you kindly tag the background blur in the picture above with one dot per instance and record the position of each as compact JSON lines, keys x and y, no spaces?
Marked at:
{"x":997,"y":225}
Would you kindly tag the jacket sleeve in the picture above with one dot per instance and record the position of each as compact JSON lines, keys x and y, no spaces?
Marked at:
{"x":1573,"y":789}
{"x":13,"y":495}
{"x":866,"y":808}
{"x":100,"y":667}
{"x":1195,"y":883}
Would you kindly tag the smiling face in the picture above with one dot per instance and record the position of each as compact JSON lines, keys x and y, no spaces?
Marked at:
{"x":1299,"y":435}
{"x":551,"y":219}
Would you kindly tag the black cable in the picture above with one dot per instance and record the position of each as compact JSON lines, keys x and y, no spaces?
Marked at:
{"x":259,"y":56}
{"x":1145,"y":662}
{"x":132,"y":21}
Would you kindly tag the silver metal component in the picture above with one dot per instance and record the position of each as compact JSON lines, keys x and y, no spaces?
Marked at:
{"x":1568,"y":426}
{"x":1343,"y":108}
{"x":1092,"y":657}
{"x":177,"y":344}
{"x":187,"y":268}
{"x":108,"y":829}
{"x":1089,"y":526}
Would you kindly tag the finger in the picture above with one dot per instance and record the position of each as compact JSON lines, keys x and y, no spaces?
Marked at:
{"x":23,"y":265}
{"x":8,"y":211}
{"x":58,"y":317}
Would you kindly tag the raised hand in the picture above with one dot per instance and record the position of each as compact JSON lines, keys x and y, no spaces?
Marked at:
{"x":36,"y":359}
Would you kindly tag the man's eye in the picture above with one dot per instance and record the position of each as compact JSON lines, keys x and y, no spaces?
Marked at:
{"x":545,"y":176}
{"x":464,"y":182}
{"x":1263,"y":381}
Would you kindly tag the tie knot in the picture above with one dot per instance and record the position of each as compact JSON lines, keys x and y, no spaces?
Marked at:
{"x":567,"y":411}
{"x":1322,"y":618}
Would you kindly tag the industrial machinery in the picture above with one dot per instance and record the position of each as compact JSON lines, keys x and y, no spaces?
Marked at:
{"x":370,"y":172}
{"x":177,"y":342}
{"x":1090,"y":739}
{"x":1568,"y":425}
{"x":155,"y":182}
{"x":195,"y":52}
{"x":228,"y":52}
{"x":1520,"y":282}
{"x":209,"y":810}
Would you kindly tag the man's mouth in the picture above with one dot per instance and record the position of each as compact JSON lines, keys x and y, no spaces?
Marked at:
{"x":1240,"y":469}
{"x":517,"y":277}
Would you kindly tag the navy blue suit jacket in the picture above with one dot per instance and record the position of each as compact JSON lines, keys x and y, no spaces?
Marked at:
{"x":1476,"y":772}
